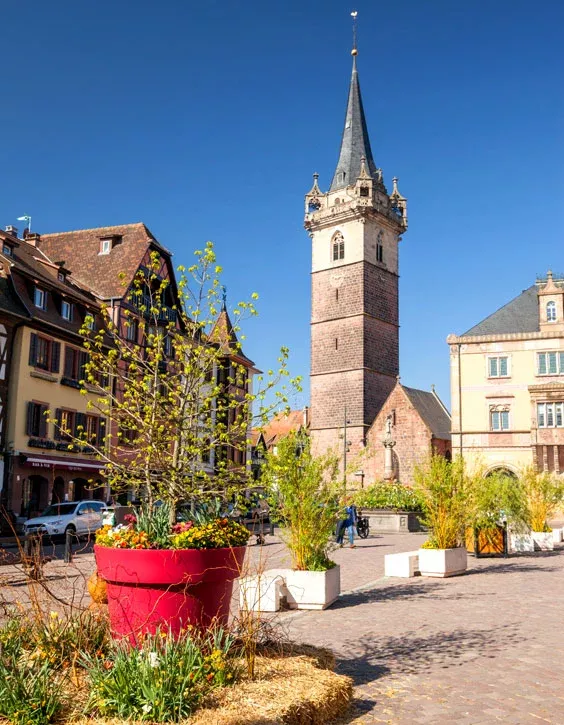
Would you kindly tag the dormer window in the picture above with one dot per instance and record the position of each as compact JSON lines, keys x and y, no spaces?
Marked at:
{"x":105,"y":246}
{"x":40,"y":298}
{"x":61,"y":276}
{"x":8,"y":250}
{"x":551,"y":311}
{"x":66,"y":310}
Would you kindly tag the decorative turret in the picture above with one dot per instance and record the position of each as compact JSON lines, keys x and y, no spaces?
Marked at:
{"x":399,"y":202}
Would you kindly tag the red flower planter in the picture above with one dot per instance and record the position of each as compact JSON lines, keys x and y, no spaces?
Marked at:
{"x":167,"y":588}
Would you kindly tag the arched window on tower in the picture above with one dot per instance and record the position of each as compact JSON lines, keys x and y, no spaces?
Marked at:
{"x":551,"y":311}
{"x":338,"y":247}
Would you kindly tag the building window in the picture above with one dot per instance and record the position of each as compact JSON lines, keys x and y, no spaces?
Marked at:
{"x":66,"y":310}
{"x":338,"y":247}
{"x":550,"y":415}
{"x":131,"y":330}
{"x":90,"y":322}
{"x":550,"y":363}
{"x":551,"y":311}
{"x":364,"y":191}
{"x":62,"y":276}
{"x":498,"y":367}
{"x":65,"y":425}
{"x":499,"y":419}
{"x":7,"y":250}
{"x":40,"y":298}
{"x":44,"y":354}
{"x":36,"y":423}
{"x":379,"y":252}
{"x":105,"y":246}
{"x":75,"y":362}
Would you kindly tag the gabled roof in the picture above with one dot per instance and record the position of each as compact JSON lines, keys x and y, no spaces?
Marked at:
{"x":282,"y":424}
{"x":355,"y":142}
{"x":30,"y":266}
{"x":80,"y":251}
{"x":431,"y":410}
{"x":224,"y":335}
{"x":519,"y":315}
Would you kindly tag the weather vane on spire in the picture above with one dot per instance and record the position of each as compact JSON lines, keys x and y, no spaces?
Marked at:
{"x":224,"y":295}
{"x":354,"y":50}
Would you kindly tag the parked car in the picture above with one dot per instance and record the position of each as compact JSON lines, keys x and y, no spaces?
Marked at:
{"x":79,"y":517}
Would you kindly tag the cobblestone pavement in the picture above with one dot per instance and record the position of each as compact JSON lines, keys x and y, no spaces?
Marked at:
{"x":485,"y":647}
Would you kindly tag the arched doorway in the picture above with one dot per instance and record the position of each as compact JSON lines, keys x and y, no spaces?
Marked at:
{"x":58,"y":494}
{"x":81,"y":490}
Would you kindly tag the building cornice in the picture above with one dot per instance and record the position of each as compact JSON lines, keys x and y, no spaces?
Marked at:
{"x":505,"y":337}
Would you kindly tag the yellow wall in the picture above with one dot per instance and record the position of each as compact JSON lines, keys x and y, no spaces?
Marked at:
{"x":478,"y":392}
{"x":25,"y":386}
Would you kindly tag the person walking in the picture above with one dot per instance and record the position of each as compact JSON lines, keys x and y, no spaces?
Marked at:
{"x":347,"y":523}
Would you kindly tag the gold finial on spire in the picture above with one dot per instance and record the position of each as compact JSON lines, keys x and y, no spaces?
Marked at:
{"x":354,"y":50}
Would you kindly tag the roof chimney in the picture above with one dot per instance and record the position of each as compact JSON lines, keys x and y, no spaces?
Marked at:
{"x":305,"y":412}
{"x":32,"y":237}
{"x":12,"y":230}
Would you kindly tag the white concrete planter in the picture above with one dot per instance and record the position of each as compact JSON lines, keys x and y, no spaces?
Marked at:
{"x":556,"y":536}
{"x":522,"y":542}
{"x":262,"y":592}
{"x":442,"y":562}
{"x":543,"y":541}
{"x":404,"y":565}
{"x":312,"y":589}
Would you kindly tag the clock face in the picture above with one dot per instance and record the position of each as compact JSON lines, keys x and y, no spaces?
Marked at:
{"x":336,"y":280}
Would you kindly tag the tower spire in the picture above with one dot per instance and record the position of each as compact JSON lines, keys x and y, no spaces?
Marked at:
{"x":354,"y":142}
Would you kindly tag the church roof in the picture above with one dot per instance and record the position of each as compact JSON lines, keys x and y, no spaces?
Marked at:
{"x":355,"y":142}
{"x":519,"y":315}
{"x":431,"y":410}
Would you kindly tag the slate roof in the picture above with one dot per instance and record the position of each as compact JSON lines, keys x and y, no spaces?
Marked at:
{"x":355,"y":142}
{"x":80,"y":251}
{"x":519,"y":315}
{"x":8,"y":300}
{"x":431,"y":411}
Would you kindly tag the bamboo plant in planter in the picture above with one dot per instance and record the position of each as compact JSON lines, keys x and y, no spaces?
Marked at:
{"x":443,"y":486}
{"x":497,"y":505}
{"x":304,"y":499}
{"x":170,"y":381}
{"x":544,"y":494}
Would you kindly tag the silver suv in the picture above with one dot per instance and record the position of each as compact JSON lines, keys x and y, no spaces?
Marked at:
{"x":79,"y":517}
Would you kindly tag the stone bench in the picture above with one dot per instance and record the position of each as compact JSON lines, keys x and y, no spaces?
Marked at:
{"x":404,"y":564}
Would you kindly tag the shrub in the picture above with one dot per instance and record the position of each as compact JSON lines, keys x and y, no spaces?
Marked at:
{"x":390,"y":495}
{"x":443,"y":487}
{"x":163,"y":680}
{"x":303,"y":498}
{"x":495,"y":498}
{"x":544,"y":494}
{"x":30,"y":691}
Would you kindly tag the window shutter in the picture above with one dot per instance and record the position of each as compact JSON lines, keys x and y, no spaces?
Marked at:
{"x":29,"y":419}
{"x":69,"y":358}
{"x":79,"y":425}
{"x":101,"y":432}
{"x":33,"y":349}
{"x":82,"y":361}
{"x":58,"y":415}
{"x":43,"y":421}
{"x":55,"y":357}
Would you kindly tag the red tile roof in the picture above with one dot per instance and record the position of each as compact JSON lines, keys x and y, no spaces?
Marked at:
{"x":80,"y":251}
{"x":282,"y":424}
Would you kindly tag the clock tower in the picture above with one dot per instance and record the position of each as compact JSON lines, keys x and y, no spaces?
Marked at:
{"x":355,"y":230}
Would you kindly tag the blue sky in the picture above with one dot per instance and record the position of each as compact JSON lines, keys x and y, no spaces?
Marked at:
{"x":206,"y":120}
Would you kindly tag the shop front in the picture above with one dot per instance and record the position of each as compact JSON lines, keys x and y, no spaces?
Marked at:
{"x":37,"y":481}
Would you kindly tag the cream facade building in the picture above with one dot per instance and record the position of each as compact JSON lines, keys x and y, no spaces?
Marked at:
{"x":507,"y":384}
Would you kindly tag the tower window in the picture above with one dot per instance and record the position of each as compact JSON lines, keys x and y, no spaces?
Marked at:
{"x":379,"y":253}
{"x":336,"y":343}
{"x":364,"y":191}
{"x":551,"y":311}
{"x":338,"y":247}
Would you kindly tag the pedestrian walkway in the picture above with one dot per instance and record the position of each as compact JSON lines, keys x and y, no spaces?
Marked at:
{"x":481,"y":648}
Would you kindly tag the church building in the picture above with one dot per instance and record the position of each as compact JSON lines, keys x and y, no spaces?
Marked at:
{"x":355,"y":229}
